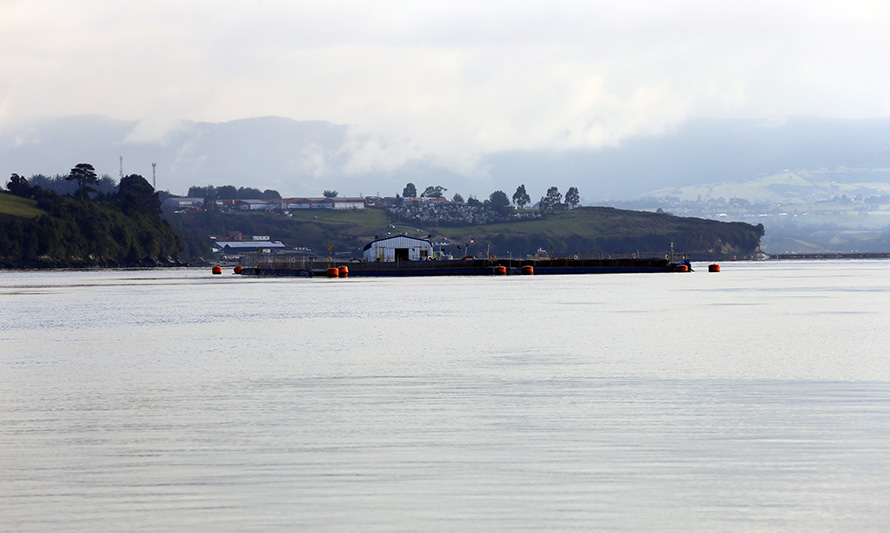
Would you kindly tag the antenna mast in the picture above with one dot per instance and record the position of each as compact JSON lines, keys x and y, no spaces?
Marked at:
{"x":122,"y":167}
{"x":154,"y":182}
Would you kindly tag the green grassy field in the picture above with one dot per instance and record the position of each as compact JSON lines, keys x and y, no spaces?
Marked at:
{"x":18,"y":207}
{"x":591,"y":221}
{"x":354,"y":222}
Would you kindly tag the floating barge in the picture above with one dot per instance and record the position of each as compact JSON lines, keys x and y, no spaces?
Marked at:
{"x":271,"y":267}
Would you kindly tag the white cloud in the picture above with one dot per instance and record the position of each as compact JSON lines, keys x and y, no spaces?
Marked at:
{"x":314,"y":161}
{"x":153,"y":129}
{"x":445,"y":81}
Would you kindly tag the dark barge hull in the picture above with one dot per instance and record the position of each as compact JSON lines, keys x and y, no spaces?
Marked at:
{"x":470,"y":267}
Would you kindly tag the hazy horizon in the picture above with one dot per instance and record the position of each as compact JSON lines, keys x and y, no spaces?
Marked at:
{"x":305,"y":158}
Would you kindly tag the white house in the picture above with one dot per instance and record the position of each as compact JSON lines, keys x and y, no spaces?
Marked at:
{"x":324,"y":203}
{"x":297,"y":203}
{"x":182,"y":203}
{"x":256,"y":205}
{"x":398,"y":248}
{"x":349,"y":203}
{"x":231,"y":247}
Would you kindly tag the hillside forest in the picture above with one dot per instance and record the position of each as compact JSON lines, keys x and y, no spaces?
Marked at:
{"x":40,"y":227}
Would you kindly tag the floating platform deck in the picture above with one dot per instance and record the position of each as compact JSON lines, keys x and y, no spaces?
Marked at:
{"x":467,"y":267}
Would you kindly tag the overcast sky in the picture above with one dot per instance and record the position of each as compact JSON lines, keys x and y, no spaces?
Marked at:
{"x":446,"y":79}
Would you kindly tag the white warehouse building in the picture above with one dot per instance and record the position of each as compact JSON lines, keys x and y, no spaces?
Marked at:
{"x":398,"y":248}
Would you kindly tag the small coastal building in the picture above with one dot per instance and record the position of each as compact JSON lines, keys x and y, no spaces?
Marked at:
{"x":297,"y":203}
{"x":236,"y":247}
{"x":349,"y":203}
{"x":256,"y":205}
{"x":323,"y":203}
{"x":183,"y":203}
{"x":398,"y":248}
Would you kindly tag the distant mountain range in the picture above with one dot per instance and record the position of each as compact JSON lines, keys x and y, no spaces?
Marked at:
{"x":305,"y":158}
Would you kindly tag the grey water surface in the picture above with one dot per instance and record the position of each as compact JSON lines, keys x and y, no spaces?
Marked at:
{"x":754,"y":399}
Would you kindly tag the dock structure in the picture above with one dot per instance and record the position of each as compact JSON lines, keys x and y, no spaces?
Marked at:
{"x":275,"y":265}
{"x":833,"y":255}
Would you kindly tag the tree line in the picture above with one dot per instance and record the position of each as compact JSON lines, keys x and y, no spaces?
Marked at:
{"x":230,"y":192}
{"x":498,"y":200}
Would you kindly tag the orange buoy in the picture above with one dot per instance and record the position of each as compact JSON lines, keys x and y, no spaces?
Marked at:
{"x":343,"y":271}
{"x":500,"y":270}
{"x":528,"y":270}
{"x":682,"y":268}
{"x":217,"y":270}
{"x":714,"y":267}
{"x":238,"y":269}
{"x":333,"y":272}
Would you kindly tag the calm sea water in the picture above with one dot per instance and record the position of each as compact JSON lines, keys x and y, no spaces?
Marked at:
{"x":756,"y":399}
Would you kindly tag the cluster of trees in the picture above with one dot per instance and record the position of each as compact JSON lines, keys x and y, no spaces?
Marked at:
{"x":99,"y":186}
{"x":81,"y":182}
{"x":87,"y":227}
{"x":498,"y":200}
{"x":553,"y":199}
{"x":433,"y":191}
{"x":230,"y":192}
{"x":19,"y":186}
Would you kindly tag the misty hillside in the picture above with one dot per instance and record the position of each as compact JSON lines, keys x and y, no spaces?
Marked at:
{"x":711,"y":151}
{"x":299,"y":158}
{"x":791,"y":187}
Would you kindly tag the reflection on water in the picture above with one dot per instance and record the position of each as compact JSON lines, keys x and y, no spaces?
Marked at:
{"x":754,"y":399}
